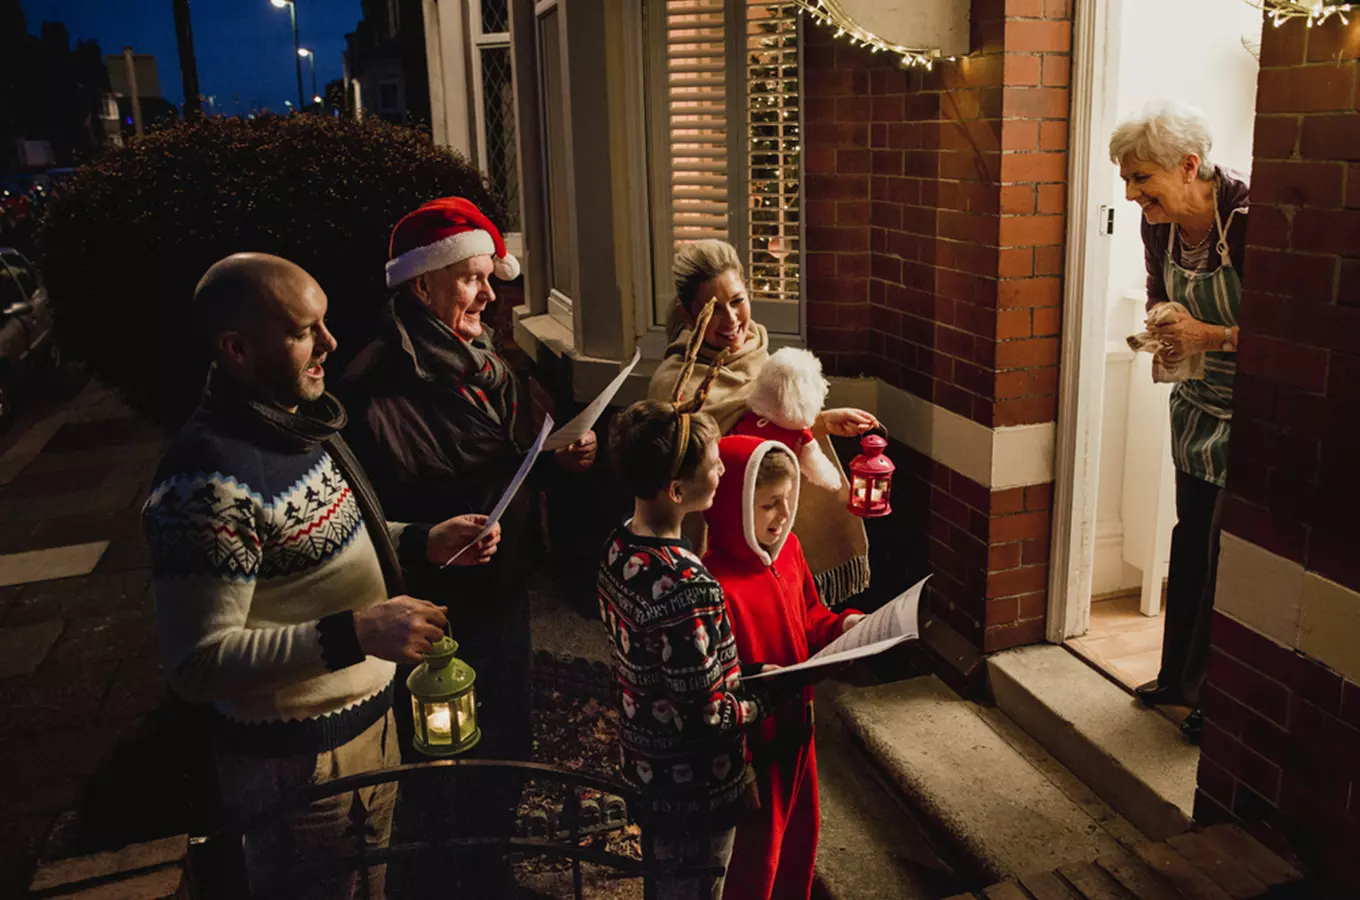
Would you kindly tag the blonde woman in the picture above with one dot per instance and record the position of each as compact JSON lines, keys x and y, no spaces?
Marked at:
{"x":833,"y":539}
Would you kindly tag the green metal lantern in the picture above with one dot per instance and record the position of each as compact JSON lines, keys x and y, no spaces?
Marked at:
{"x":443,"y":703}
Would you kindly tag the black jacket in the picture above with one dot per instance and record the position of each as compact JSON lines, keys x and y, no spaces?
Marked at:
{"x":430,"y":455}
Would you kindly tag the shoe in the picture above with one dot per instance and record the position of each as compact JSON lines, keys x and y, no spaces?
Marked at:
{"x":1153,"y":694}
{"x":1193,"y":726}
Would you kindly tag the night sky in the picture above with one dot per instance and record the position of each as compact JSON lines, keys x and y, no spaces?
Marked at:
{"x":244,"y":47}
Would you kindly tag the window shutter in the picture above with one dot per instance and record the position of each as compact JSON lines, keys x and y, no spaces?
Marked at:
{"x":696,"y":104}
{"x":725,"y":134}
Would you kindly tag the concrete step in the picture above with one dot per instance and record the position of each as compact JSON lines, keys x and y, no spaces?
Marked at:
{"x":870,"y":848}
{"x":995,"y":800}
{"x":1132,"y":757}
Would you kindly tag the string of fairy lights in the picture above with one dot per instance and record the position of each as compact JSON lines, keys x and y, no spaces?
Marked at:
{"x":830,"y":13}
{"x":1315,"y":11}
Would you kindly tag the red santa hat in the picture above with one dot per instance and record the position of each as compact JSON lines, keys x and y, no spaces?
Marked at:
{"x":441,"y":233}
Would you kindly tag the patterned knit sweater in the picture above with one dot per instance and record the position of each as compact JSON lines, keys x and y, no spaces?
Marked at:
{"x":676,"y":665}
{"x":260,"y":559}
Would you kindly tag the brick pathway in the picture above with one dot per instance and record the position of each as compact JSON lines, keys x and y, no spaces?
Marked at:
{"x":1221,"y":862}
{"x":79,"y":674}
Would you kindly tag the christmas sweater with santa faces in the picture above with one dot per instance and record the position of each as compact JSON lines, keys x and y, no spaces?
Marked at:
{"x":676,"y":665}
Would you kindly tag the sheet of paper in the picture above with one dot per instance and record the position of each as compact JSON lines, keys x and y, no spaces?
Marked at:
{"x":576,"y":429}
{"x":895,"y":623}
{"x":510,"y":491}
{"x":822,"y":660}
{"x":898,"y":617}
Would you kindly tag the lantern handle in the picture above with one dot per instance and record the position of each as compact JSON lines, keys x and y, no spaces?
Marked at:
{"x":879,"y":427}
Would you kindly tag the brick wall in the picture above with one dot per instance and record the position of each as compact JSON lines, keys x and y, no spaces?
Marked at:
{"x":935,"y":208}
{"x":1282,"y":747}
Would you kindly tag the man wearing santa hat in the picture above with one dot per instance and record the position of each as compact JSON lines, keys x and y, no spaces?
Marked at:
{"x":435,"y":419}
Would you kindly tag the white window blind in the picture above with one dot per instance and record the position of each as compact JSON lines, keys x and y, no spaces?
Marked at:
{"x":696,"y":104}
{"x":725,"y":138}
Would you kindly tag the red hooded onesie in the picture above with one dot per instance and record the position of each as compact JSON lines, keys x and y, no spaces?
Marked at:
{"x":778,"y":618}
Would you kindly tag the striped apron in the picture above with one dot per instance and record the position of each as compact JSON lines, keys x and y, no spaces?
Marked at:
{"x":1201,"y":410}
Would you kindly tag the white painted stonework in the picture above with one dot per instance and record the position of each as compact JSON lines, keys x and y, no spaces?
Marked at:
{"x":996,"y":458}
{"x":1260,"y":589}
{"x":1278,"y":598}
{"x":916,"y":24}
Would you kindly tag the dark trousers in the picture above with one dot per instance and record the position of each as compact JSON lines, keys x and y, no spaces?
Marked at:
{"x":1191,"y":577}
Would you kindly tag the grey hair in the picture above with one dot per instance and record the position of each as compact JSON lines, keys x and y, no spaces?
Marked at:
{"x":700,"y":261}
{"x":1164,"y":133}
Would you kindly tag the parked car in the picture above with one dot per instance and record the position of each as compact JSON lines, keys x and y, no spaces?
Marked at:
{"x":27,"y":341}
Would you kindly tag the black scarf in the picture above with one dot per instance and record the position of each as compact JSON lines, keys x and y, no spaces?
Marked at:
{"x":317,"y":423}
{"x":470,"y":369}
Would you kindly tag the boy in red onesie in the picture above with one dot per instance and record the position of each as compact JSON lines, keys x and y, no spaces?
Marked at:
{"x":778,"y":619}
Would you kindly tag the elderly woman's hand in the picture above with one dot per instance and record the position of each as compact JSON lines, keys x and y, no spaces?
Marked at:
{"x":579,"y":456}
{"x":1184,"y":335}
{"x":847,"y":421}
{"x":452,"y":535}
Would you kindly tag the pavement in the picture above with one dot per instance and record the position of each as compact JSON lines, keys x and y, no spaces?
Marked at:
{"x":90,"y":749}
{"x":79,"y":674}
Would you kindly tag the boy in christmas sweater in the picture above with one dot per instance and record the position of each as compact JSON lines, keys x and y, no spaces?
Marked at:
{"x":777,"y":619}
{"x":675,"y":660}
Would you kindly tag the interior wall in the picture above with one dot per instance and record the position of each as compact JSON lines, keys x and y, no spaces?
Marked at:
{"x":1191,"y":52}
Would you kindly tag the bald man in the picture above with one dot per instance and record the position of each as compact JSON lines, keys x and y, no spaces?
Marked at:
{"x":279,"y":584}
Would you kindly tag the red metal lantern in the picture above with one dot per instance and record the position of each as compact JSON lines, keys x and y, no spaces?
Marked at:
{"x":871,"y":479}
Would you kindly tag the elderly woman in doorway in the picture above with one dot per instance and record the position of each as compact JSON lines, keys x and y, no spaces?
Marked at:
{"x":833,"y":539}
{"x":1194,"y":240}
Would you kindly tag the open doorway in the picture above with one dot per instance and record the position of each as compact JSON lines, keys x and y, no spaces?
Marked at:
{"x":1115,"y":476}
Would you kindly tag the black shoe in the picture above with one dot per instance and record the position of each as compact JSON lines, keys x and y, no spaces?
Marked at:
{"x":1153,"y":694}
{"x":1192,"y":726}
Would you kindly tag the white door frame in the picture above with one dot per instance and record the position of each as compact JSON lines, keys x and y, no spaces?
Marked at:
{"x":1085,"y":311}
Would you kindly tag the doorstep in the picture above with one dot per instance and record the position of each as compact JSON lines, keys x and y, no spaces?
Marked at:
{"x":995,"y":801}
{"x":870,"y":847}
{"x":1134,"y":758}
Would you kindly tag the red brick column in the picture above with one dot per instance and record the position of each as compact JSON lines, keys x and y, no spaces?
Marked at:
{"x":935,"y":205}
{"x":1281,"y":748}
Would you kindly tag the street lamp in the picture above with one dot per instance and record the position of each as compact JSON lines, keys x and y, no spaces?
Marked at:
{"x":292,"y":14}
{"x":311,"y":59}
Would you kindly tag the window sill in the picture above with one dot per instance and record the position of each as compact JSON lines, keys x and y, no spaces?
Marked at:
{"x":539,"y":334}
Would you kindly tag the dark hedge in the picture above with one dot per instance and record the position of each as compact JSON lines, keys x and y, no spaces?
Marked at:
{"x":124,"y":242}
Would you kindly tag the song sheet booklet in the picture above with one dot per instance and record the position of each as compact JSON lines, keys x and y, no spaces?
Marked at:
{"x":894,"y":623}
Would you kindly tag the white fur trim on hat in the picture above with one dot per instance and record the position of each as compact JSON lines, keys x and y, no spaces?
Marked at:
{"x":506,"y":267}
{"x":445,"y":252}
{"x":818,"y":467}
{"x":748,"y":501}
{"x":789,"y":389}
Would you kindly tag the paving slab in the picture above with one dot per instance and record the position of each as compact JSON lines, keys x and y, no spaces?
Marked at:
{"x":90,"y":639}
{"x":24,"y":647}
{"x":1132,"y":757}
{"x":71,"y":503}
{"x":997,"y":809}
{"x":56,"y":697}
{"x":88,"y":595}
{"x":51,"y":564}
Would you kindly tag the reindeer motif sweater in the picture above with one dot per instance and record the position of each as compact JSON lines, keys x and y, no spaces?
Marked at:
{"x":260,"y":559}
{"x":676,"y":666}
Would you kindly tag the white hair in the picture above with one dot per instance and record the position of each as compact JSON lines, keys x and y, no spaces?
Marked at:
{"x":1165,"y":133}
